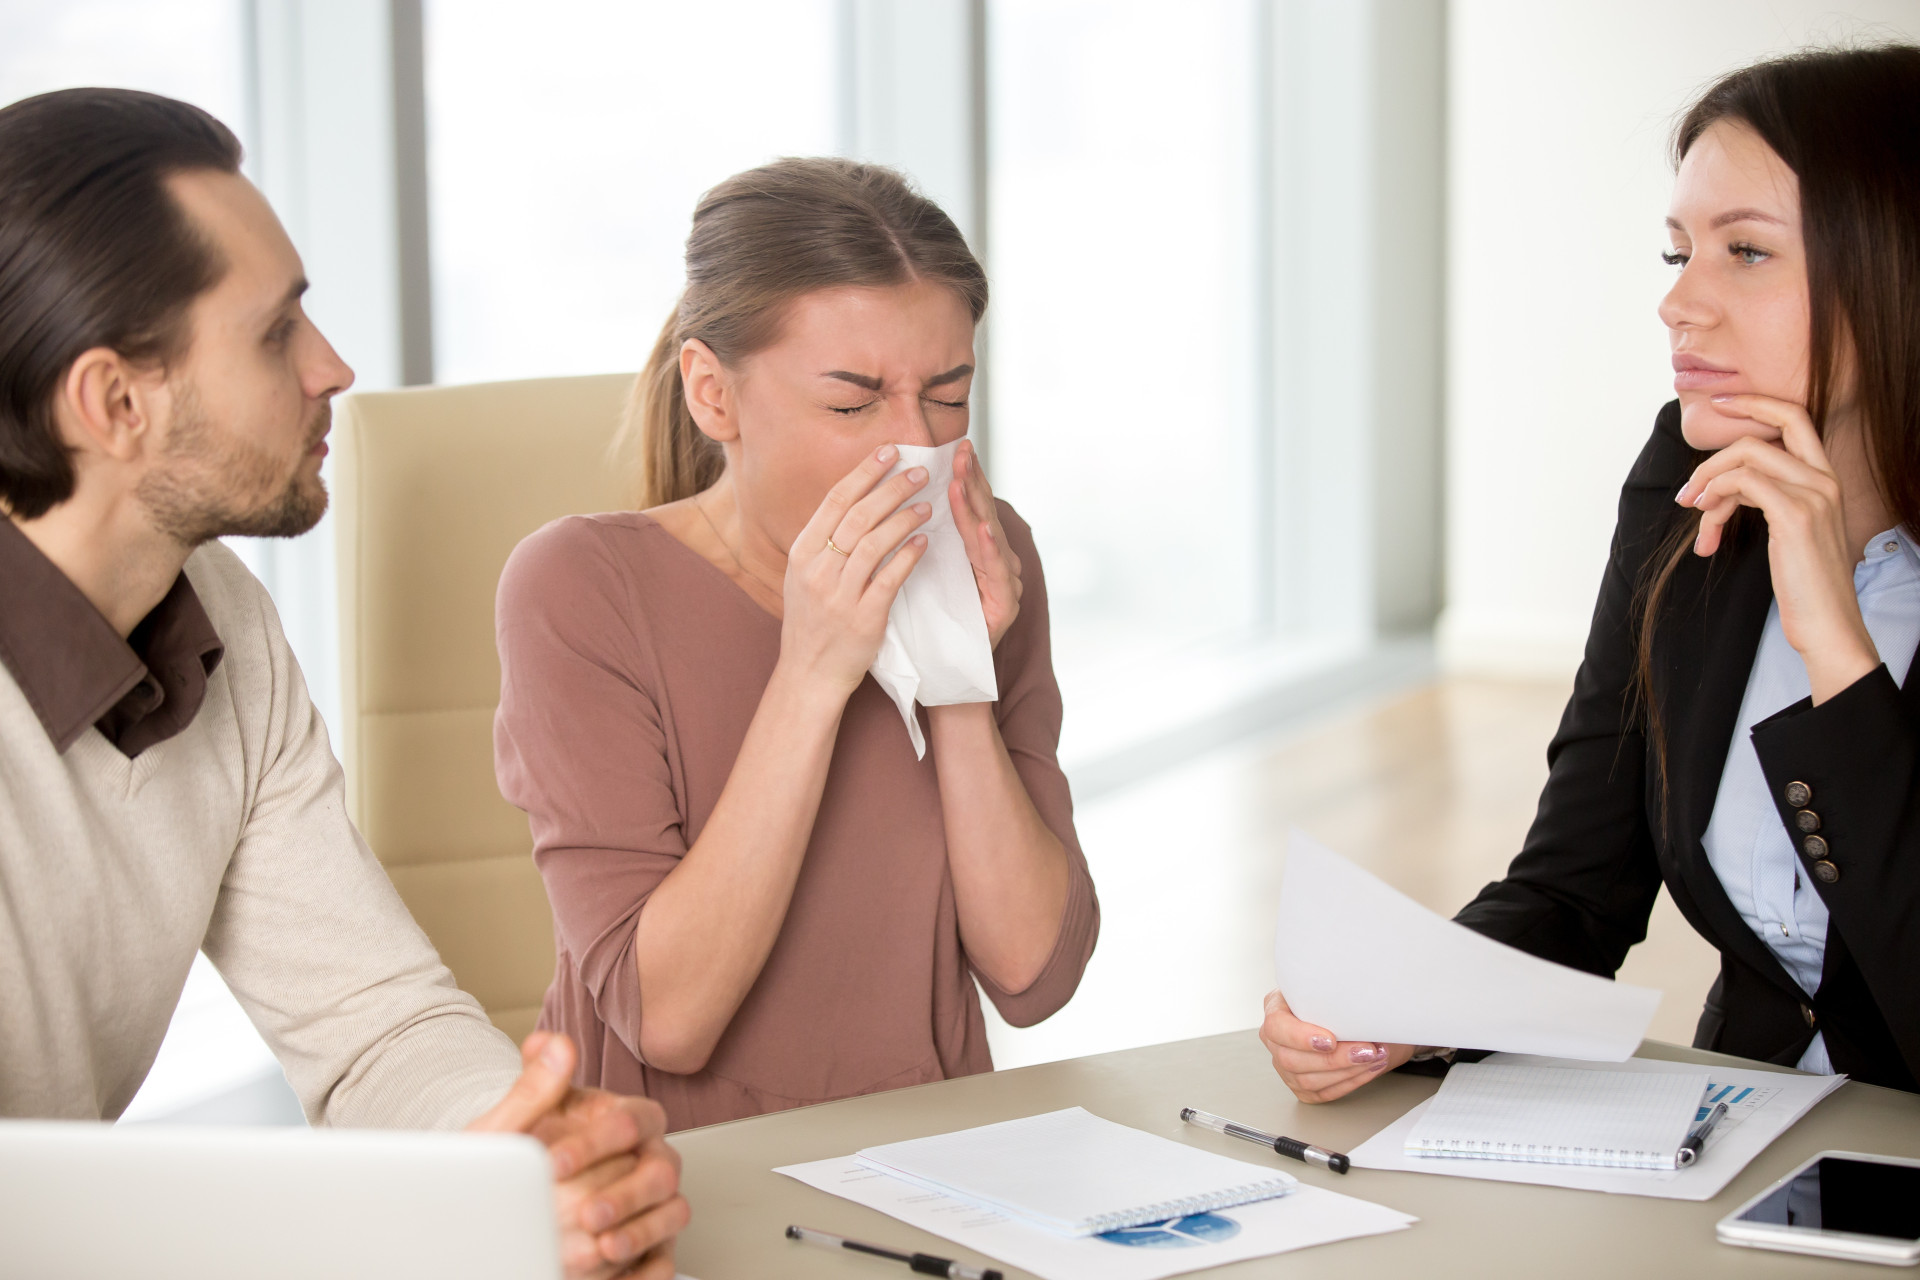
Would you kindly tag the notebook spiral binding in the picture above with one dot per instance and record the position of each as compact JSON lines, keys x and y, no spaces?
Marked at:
{"x":1535,"y":1153}
{"x":1224,"y":1199}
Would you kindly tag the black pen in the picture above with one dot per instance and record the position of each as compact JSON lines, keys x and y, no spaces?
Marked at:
{"x":922,"y":1263}
{"x":1285,"y":1146}
{"x":1694,"y":1141}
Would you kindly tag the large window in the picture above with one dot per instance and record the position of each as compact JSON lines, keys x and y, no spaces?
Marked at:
{"x":1124,"y":368}
{"x":568,"y":143}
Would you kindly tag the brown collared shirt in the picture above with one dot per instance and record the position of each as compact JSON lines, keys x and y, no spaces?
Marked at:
{"x":76,"y":671}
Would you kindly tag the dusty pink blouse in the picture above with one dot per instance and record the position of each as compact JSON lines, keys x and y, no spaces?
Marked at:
{"x":630,"y":669}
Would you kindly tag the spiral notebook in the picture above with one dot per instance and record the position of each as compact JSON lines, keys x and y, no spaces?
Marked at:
{"x":1560,"y":1115}
{"x":1072,"y":1173}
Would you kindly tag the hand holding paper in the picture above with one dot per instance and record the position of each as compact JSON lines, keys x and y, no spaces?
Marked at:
{"x":1368,"y":962}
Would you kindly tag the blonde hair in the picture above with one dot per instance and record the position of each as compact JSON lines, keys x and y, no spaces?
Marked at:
{"x":760,"y":240}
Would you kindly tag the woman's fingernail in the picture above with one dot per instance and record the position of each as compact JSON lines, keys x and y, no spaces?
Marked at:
{"x":1367,"y":1053}
{"x":923,"y":509}
{"x":1321,"y":1044}
{"x":885,"y":454}
{"x":599,"y":1216}
{"x":917,"y":474}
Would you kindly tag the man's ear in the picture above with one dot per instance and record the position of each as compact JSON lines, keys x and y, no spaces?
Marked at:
{"x":708,"y":390}
{"x":105,"y":408}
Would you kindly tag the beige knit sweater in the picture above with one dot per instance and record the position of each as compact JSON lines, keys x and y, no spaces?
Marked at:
{"x":232,"y":837}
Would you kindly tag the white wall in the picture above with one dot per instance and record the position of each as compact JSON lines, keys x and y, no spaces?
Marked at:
{"x":1558,"y":184}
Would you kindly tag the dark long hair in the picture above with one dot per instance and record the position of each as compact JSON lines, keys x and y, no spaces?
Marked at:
{"x":94,"y":252}
{"x":1847,"y":122}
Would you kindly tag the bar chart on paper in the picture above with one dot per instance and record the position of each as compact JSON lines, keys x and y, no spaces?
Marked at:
{"x":1742,"y":1101}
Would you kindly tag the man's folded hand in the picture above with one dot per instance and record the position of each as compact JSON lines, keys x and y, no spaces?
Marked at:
{"x":617,"y":1182}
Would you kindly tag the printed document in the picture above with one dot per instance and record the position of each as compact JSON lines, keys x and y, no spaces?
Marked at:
{"x":1369,"y":963}
{"x":1309,"y":1216}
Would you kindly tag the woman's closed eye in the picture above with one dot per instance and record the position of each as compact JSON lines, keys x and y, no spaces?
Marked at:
{"x":1678,"y":258}
{"x":850,"y":410}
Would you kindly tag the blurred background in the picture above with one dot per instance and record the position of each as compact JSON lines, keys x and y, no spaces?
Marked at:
{"x":1322,"y":335}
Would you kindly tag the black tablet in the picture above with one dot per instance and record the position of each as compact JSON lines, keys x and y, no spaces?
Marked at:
{"x":1840,"y":1204}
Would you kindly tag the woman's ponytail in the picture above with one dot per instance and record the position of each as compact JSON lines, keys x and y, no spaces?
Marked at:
{"x":669,"y":456}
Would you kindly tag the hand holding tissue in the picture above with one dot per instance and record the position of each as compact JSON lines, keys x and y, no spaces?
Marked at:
{"x":935,"y":651}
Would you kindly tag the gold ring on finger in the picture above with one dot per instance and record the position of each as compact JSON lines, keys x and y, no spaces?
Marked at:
{"x":837,"y":550}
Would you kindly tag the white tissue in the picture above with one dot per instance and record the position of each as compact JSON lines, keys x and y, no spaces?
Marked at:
{"x":936,"y":650}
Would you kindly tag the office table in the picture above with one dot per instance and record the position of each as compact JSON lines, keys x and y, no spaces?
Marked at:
{"x":1468,"y":1227}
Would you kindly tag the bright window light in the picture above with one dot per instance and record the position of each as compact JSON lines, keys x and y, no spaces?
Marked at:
{"x":189,"y":49}
{"x":567,"y":145}
{"x":1122,"y":358}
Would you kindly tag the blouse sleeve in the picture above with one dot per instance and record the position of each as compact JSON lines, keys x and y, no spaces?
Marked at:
{"x":578,"y":745}
{"x":1029,"y":714}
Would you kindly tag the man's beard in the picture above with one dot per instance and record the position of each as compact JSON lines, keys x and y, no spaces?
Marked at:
{"x":190,"y":493}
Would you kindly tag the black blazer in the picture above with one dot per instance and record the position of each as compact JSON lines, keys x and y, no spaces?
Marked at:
{"x":1584,"y":883}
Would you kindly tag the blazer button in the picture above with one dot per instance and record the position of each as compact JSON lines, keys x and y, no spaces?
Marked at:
{"x":1799,"y":795}
{"x":1806,"y":821}
{"x":1806,"y":1011}
{"x":1816,"y":846}
{"x":1825,"y":872}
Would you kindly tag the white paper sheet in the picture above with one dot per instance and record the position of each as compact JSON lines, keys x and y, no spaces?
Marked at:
{"x":935,"y":651}
{"x":1778,"y":1100}
{"x":1369,"y":963}
{"x":1309,"y":1216}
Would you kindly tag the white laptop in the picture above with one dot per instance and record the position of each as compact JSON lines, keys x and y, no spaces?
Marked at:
{"x":91,"y":1201}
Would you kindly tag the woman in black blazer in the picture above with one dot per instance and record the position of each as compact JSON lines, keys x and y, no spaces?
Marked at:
{"x":1737,"y":572}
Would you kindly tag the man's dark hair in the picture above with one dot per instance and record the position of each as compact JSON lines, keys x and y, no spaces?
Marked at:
{"x":94,"y":252}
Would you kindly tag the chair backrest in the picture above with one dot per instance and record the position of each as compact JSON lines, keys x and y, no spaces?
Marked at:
{"x":433,"y":488}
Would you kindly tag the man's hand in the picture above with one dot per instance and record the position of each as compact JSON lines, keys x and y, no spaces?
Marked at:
{"x":617,"y":1182}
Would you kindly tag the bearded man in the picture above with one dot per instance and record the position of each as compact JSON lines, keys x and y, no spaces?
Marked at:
{"x":166,"y":785}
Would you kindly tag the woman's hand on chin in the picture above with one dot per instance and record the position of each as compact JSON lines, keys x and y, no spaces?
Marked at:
{"x":1317,"y":1067}
{"x":837,"y":591}
{"x":996,"y":569}
{"x":1794,"y":485}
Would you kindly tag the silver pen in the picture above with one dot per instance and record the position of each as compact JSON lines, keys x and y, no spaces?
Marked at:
{"x":1697,"y":1137}
{"x":920,"y":1263}
{"x":1285,"y":1146}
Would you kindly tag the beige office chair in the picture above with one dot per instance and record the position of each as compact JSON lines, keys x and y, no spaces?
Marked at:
{"x":433,"y":489}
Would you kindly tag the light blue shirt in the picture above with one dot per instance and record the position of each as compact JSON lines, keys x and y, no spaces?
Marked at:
{"x":1748,"y":846}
